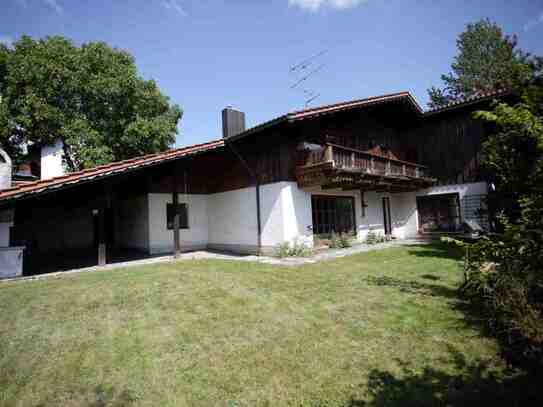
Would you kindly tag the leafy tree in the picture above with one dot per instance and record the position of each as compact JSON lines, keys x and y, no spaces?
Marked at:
{"x":512,"y":153}
{"x":91,"y":97}
{"x":487,"y":60}
{"x":504,"y":277}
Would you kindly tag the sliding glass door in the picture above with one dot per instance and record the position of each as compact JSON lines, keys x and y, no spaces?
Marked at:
{"x":333,"y":214}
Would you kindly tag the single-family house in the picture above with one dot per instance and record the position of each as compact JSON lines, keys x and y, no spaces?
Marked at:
{"x":380,"y":163}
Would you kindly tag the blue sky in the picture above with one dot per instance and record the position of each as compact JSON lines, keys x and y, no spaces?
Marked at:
{"x":206,"y":54}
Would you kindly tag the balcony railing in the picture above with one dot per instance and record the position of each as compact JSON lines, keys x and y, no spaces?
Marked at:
{"x":350,"y":158}
{"x":336,"y":158}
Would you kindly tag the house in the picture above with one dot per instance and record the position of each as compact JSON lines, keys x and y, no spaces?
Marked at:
{"x":379,"y":163}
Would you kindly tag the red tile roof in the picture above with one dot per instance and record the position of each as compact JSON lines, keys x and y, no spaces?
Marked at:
{"x":469,"y":100}
{"x":106,"y":170}
{"x":317,"y":111}
{"x":153,"y":159}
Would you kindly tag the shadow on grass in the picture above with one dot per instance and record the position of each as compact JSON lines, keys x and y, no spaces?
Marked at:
{"x":105,"y":396}
{"x":474,"y":384}
{"x":436,"y":249}
{"x":413,"y":287}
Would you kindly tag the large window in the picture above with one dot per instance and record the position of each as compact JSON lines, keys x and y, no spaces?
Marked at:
{"x":183,"y":215}
{"x":333,"y":214}
{"x":439,"y":213}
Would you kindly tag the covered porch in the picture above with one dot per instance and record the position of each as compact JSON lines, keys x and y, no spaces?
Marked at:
{"x":124,"y":211}
{"x":355,"y":192}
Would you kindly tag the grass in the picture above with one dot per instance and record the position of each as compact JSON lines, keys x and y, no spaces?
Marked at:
{"x":379,"y":328}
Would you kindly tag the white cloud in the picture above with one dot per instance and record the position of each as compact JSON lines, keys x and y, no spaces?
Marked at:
{"x":174,"y":5}
{"x":6,"y":40}
{"x":315,"y":5}
{"x":54,"y":4}
{"x":532,"y":23}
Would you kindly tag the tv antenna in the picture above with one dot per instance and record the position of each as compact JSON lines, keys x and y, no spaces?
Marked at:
{"x":306,"y":62}
{"x":302,"y":72}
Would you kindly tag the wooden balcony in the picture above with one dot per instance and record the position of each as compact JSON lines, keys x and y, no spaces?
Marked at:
{"x":335,"y":166}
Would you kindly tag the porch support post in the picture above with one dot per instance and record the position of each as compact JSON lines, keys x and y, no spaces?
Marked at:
{"x":102,"y":227}
{"x":175,"y":201}
{"x":102,"y":237}
{"x":328,"y":154}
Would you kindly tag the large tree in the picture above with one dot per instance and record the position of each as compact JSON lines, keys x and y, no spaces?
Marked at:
{"x":487,"y":60}
{"x":91,"y":97}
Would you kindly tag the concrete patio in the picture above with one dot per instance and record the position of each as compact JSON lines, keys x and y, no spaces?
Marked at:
{"x":318,"y":256}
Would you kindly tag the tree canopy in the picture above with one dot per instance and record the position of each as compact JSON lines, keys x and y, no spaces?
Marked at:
{"x":487,"y":60}
{"x":90,"y":96}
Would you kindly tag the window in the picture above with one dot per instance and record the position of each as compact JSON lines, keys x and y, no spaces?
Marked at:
{"x":439,"y":213}
{"x":333,"y":214}
{"x":183,"y":215}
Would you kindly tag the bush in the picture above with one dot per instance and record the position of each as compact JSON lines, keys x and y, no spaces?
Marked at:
{"x":375,"y":238}
{"x":345,"y":240}
{"x":294,"y":249}
{"x":340,"y":241}
{"x":504,"y":280}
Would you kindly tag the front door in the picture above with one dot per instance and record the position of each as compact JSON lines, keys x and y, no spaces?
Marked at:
{"x":387,"y":220}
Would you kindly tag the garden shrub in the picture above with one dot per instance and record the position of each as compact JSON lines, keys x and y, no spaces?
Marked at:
{"x":504,"y":281}
{"x":504,"y":271}
{"x":340,"y":241}
{"x":375,"y":238}
{"x":294,"y":249}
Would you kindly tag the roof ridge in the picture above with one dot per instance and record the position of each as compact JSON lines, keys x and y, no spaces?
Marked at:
{"x":348,"y":102}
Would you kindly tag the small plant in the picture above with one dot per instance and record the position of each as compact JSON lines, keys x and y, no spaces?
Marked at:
{"x":371,"y":237}
{"x":282,"y":250}
{"x":340,"y":241}
{"x":334,"y":242}
{"x":294,"y":249}
{"x":375,"y":238}
{"x":345,"y":240}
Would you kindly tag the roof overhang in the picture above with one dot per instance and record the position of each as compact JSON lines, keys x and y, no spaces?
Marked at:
{"x":105,"y":171}
{"x":332,"y":109}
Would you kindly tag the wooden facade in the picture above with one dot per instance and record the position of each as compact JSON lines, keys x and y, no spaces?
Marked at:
{"x":374,"y":148}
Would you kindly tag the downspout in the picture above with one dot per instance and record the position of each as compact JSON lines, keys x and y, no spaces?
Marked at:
{"x":254,"y":178}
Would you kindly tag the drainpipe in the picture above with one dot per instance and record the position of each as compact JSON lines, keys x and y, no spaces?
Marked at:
{"x":254,"y":177}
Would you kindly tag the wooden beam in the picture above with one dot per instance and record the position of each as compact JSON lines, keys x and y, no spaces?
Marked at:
{"x":102,"y":259}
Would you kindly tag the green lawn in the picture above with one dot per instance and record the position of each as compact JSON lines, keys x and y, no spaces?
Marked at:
{"x":379,"y":328}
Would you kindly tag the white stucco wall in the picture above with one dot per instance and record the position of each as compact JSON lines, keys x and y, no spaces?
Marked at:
{"x":297,"y":216}
{"x":11,"y":262}
{"x":232,"y":218}
{"x":474,"y":188}
{"x":403,"y":208}
{"x":4,"y":233}
{"x":193,"y":238}
{"x":285,"y":213}
{"x":133,"y":223}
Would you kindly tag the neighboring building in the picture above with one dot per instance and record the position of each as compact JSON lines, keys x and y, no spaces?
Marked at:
{"x":377,"y":164}
{"x":42,"y":162}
